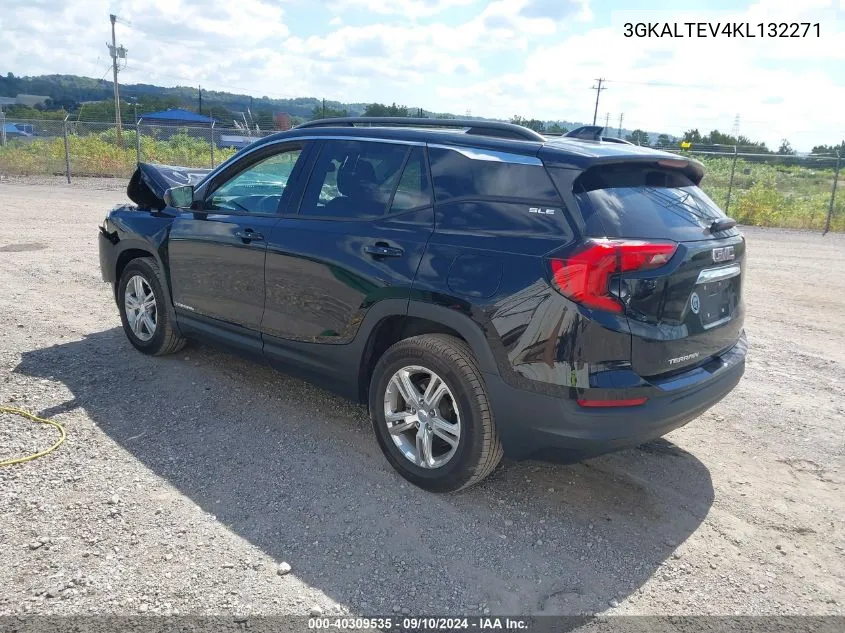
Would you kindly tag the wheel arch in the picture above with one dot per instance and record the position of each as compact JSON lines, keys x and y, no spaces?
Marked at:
{"x":126,"y":255}
{"x":135,"y":249}
{"x":421,"y":318}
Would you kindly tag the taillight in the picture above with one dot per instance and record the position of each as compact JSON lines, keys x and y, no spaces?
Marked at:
{"x":585,"y":275}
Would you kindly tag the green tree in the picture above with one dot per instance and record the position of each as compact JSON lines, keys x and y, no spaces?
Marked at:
{"x":638,"y":137}
{"x":533,"y":124}
{"x":379,"y":109}
{"x":27,"y":112}
{"x":785,"y":148}
{"x":829,"y":149}
{"x":327,"y":112}
{"x":692,"y":136}
{"x":663,"y":140}
{"x":557,"y":128}
{"x":718,"y":138}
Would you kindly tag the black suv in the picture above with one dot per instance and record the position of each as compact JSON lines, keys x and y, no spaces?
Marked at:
{"x":483,"y":288}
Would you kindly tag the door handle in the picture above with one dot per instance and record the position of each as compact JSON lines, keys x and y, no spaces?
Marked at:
{"x":380,"y":249}
{"x":249,"y":235}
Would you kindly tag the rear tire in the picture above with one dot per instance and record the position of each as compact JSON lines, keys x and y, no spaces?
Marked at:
{"x":144,"y":310}
{"x":463,"y":446}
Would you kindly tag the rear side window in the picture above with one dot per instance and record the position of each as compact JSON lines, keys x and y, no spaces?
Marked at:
{"x":482,"y":173}
{"x":413,"y":190}
{"x":643,"y":202}
{"x":353,"y":179}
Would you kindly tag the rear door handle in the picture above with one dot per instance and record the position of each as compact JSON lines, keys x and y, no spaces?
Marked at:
{"x":249,"y":234}
{"x":380,"y":249}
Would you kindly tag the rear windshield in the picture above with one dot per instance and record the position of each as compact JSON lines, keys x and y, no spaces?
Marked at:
{"x":644,"y":202}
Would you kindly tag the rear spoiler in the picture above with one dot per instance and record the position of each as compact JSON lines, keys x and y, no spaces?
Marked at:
{"x":594,"y":133}
{"x":149,"y":182}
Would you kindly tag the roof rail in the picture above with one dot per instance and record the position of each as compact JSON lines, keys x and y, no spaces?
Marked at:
{"x":474,"y":126}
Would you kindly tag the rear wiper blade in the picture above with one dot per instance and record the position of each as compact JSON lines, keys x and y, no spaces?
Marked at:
{"x":722,"y":224}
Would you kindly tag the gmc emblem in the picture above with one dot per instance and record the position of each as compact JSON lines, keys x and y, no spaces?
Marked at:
{"x":724,"y":254}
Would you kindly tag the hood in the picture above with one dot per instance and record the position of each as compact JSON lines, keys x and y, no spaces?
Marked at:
{"x":149,"y":182}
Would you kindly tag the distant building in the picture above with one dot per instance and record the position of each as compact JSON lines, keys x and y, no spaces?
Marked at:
{"x":282,"y":120}
{"x":24,"y":100}
{"x":31,"y":100}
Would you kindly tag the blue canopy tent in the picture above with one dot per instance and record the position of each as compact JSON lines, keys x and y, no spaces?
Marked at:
{"x":177,"y":117}
{"x":10,"y":129}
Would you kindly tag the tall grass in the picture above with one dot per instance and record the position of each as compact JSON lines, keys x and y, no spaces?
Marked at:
{"x":101,"y":155}
{"x":776,"y":194}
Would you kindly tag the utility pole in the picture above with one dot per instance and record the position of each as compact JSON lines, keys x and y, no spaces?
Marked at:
{"x":619,"y":133}
{"x":115,"y":53}
{"x":598,"y":90}
{"x":607,"y":121}
{"x":323,"y":113}
{"x":200,"y":106}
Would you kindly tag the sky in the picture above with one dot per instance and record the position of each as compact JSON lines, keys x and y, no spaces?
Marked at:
{"x":533,"y":58}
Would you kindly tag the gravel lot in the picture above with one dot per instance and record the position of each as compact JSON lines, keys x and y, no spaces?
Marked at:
{"x":185,"y":481}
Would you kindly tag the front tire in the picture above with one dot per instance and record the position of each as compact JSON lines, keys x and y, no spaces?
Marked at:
{"x":143,"y":309}
{"x":431,"y":415}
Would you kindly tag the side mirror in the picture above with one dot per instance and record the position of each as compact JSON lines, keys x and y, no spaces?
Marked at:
{"x":179,"y":197}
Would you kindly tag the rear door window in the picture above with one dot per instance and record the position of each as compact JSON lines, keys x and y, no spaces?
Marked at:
{"x":644,"y":202}
{"x":353,"y":179}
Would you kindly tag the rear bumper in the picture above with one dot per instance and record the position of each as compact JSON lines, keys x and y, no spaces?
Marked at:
{"x":535,"y":425}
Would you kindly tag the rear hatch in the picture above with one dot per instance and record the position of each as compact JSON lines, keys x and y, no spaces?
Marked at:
{"x":686,"y":306}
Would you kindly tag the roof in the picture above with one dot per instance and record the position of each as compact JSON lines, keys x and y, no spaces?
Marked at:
{"x":177,"y":114}
{"x":567,"y":152}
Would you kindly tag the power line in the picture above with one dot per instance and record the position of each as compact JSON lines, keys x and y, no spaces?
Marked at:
{"x":598,"y":90}
{"x":659,"y":84}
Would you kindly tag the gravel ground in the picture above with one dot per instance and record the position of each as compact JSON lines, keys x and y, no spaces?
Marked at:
{"x":186,"y":481}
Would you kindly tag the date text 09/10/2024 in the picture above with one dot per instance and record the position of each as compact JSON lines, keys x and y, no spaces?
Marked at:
{"x":721,"y":29}
{"x":412,"y":623}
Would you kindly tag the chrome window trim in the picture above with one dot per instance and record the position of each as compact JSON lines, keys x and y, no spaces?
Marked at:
{"x":490,"y":155}
{"x":709,"y":275}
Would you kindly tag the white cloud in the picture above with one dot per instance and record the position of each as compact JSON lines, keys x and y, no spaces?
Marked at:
{"x":407,"y":8}
{"x":767,"y":81}
{"x":536,"y":58}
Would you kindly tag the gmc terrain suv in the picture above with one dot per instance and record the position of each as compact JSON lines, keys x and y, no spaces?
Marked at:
{"x":483,"y":288}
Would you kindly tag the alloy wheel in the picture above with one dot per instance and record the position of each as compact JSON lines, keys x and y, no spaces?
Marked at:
{"x":140,"y":305}
{"x":422,"y":416}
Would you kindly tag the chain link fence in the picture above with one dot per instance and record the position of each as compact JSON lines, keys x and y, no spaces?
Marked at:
{"x":91,"y":148}
{"x":774,"y":189}
{"x":756,"y":189}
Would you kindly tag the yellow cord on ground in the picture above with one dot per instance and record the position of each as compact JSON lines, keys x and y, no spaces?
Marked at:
{"x":34,"y":418}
